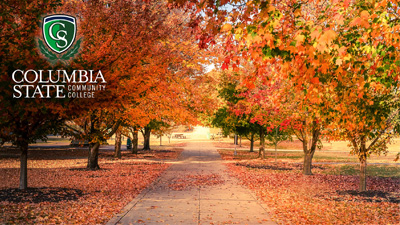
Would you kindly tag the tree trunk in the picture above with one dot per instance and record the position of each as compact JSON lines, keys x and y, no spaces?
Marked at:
{"x":308,"y":156}
{"x":118,"y":137}
{"x":146,"y":136}
{"x":240,"y":143}
{"x":261,"y":152}
{"x":309,"y":152}
{"x":252,"y":142}
{"x":160,"y":140}
{"x":93,"y":160}
{"x":363,"y":165}
{"x":23,"y":178}
{"x":276,"y":144}
{"x":135,"y":140}
{"x":307,"y":163}
{"x":235,"y":141}
{"x":363,"y":175}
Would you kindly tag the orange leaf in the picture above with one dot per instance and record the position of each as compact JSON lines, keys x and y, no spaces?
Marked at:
{"x":328,"y":36}
{"x":226,"y":27}
{"x":364,"y":15}
{"x":315,"y":80}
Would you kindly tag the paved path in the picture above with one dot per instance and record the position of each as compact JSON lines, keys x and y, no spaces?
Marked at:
{"x":226,"y":203}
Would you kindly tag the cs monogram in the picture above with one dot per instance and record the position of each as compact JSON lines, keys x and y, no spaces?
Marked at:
{"x":59,"y":33}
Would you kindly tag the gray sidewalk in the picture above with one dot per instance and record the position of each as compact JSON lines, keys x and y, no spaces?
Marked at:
{"x":223,"y":203}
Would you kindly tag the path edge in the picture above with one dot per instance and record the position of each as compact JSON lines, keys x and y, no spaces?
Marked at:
{"x":258,"y":200}
{"x":117,"y":217}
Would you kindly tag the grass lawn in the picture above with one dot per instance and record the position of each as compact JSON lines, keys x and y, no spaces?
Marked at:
{"x":61,"y":190}
{"x":334,"y":146}
{"x":329,"y":196}
{"x":372,"y":170}
{"x":319,"y":156}
{"x":60,"y":141}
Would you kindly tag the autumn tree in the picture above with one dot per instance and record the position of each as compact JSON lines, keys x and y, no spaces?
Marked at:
{"x":118,"y":143}
{"x":326,"y":50}
{"x":126,"y":40}
{"x":96,"y":127}
{"x":237,"y":124}
{"x":230,"y":117}
{"x":24,"y":120}
{"x":365,"y":98}
{"x":177,"y":91}
{"x":131,"y":131}
{"x":277,"y":135}
{"x":164,"y":130}
{"x":265,"y":115}
{"x":273,"y":36}
{"x":340,"y":56}
{"x":154,"y":125}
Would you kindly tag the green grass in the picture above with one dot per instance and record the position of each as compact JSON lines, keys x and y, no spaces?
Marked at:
{"x":372,"y":170}
{"x":328,"y":158}
{"x":339,"y":169}
{"x":284,"y":156}
{"x":283,"y":152}
{"x":54,"y":139}
{"x":319,"y":156}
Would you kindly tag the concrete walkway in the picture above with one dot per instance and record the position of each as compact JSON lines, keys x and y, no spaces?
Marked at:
{"x":223,"y":203}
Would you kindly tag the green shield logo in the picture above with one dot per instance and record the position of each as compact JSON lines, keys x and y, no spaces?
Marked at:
{"x":59,"y":32}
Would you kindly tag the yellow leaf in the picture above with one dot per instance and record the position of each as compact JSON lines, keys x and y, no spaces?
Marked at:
{"x":348,"y":57}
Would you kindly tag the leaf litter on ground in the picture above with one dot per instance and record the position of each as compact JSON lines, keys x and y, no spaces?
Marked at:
{"x":64,"y":191}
